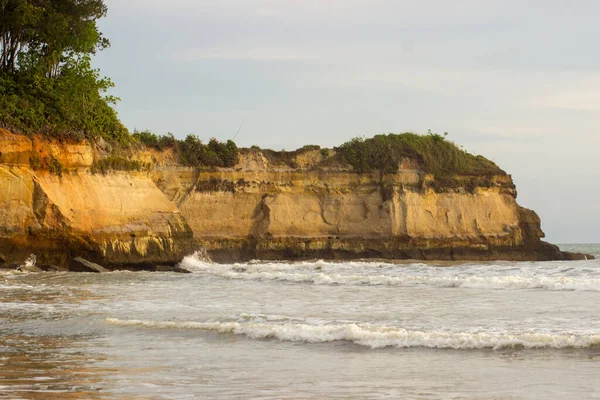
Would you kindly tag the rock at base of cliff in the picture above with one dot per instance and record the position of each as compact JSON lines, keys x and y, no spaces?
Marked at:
{"x":167,"y":268}
{"x":52,"y":268}
{"x":394,"y":248}
{"x":79,"y":264}
{"x":578,"y":256}
{"x":29,"y":268}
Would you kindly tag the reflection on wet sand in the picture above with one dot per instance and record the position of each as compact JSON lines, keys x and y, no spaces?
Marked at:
{"x":44,"y":367}
{"x":36,"y":363}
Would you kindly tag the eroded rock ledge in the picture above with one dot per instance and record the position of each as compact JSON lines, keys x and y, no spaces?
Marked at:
{"x":256,"y":210}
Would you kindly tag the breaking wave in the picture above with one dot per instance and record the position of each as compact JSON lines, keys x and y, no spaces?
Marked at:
{"x":473,"y":282}
{"x":365,"y":274}
{"x":374,"y":336}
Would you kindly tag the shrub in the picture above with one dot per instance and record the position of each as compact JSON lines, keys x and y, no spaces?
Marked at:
{"x":193,"y":152}
{"x":309,"y":147}
{"x":35,"y":162}
{"x":436,"y":155}
{"x":48,"y":163}
{"x":115,"y":163}
{"x":152,"y":140}
{"x":70,"y":106}
{"x":146,"y":137}
{"x":54,"y":166}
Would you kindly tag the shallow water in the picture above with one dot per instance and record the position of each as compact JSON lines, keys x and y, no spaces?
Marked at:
{"x":499,"y":330}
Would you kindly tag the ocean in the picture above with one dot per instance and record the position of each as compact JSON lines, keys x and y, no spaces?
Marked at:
{"x":323,"y":330}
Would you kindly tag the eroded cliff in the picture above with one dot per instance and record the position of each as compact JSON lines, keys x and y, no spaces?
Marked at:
{"x":116,"y":219}
{"x":55,"y":203}
{"x":263,"y":211}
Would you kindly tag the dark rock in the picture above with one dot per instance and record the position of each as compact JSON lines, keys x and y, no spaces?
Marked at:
{"x":51,"y":268}
{"x":2,"y":259}
{"x":29,"y":268}
{"x":79,"y":264}
{"x":578,"y":256}
{"x":169,"y":268}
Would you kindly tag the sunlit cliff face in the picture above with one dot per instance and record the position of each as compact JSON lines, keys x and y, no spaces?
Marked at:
{"x":306,"y":207}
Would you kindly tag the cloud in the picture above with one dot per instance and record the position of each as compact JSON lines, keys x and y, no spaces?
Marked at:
{"x":247,"y":54}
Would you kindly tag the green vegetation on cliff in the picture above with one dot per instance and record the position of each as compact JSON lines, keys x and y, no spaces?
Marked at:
{"x":47,"y":84}
{"x":435,"y":155}
{"x":191,"y":151}
{"x":115,"y":163}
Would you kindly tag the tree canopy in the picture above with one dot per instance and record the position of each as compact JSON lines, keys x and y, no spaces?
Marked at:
{"x":45,"y":33}
{"x":47,"y":84}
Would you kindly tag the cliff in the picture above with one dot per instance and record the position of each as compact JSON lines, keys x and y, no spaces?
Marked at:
{"x":54,"y":203}
{"x":257,"y":210}
{"x":114,"y":219}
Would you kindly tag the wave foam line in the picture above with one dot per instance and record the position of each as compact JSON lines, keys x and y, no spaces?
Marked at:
{"x":472,"y":282}
{"x":376,"y":336}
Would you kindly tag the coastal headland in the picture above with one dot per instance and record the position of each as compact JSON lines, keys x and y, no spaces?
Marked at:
{"x":79,"y":191}
{"x":140,"y":206}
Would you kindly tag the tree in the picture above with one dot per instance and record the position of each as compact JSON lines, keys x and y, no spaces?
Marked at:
{"x":49,"y":32}
{"x":68,"y":29}
{"x":46,"y":79}
{"x":19,"y":20}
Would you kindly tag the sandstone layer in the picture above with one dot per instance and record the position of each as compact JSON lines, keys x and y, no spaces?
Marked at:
{"x":256,"y":210}
{"x":115,"y":219}
{"x":260,"y":211}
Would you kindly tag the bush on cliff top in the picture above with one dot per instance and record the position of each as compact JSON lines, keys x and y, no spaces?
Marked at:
{"x":214,"y":154}
{"x":69,"y":106}
{"x":191,"y":151}
{"x":154,"y":141}
{"x":435,"y":154}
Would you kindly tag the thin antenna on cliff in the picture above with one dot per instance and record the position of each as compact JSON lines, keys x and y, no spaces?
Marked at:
{"x":240,"y":128}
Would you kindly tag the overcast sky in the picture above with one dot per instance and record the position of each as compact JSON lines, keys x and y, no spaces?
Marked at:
{"x":518,"y":82}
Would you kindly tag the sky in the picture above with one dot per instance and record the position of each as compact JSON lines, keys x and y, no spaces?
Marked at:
{"x":518,"y":82}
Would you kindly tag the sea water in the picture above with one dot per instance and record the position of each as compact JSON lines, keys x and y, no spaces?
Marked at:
{"x":272,"y":330}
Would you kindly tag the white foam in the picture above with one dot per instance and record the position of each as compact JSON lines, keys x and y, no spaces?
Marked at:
{"x":249,"y":272}
{"x":197,"y":261}
{"x":373,"y":336}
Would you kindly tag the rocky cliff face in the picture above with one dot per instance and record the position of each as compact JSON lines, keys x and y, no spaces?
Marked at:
{"x":255,"y":210}
{"x":117,"y":218}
